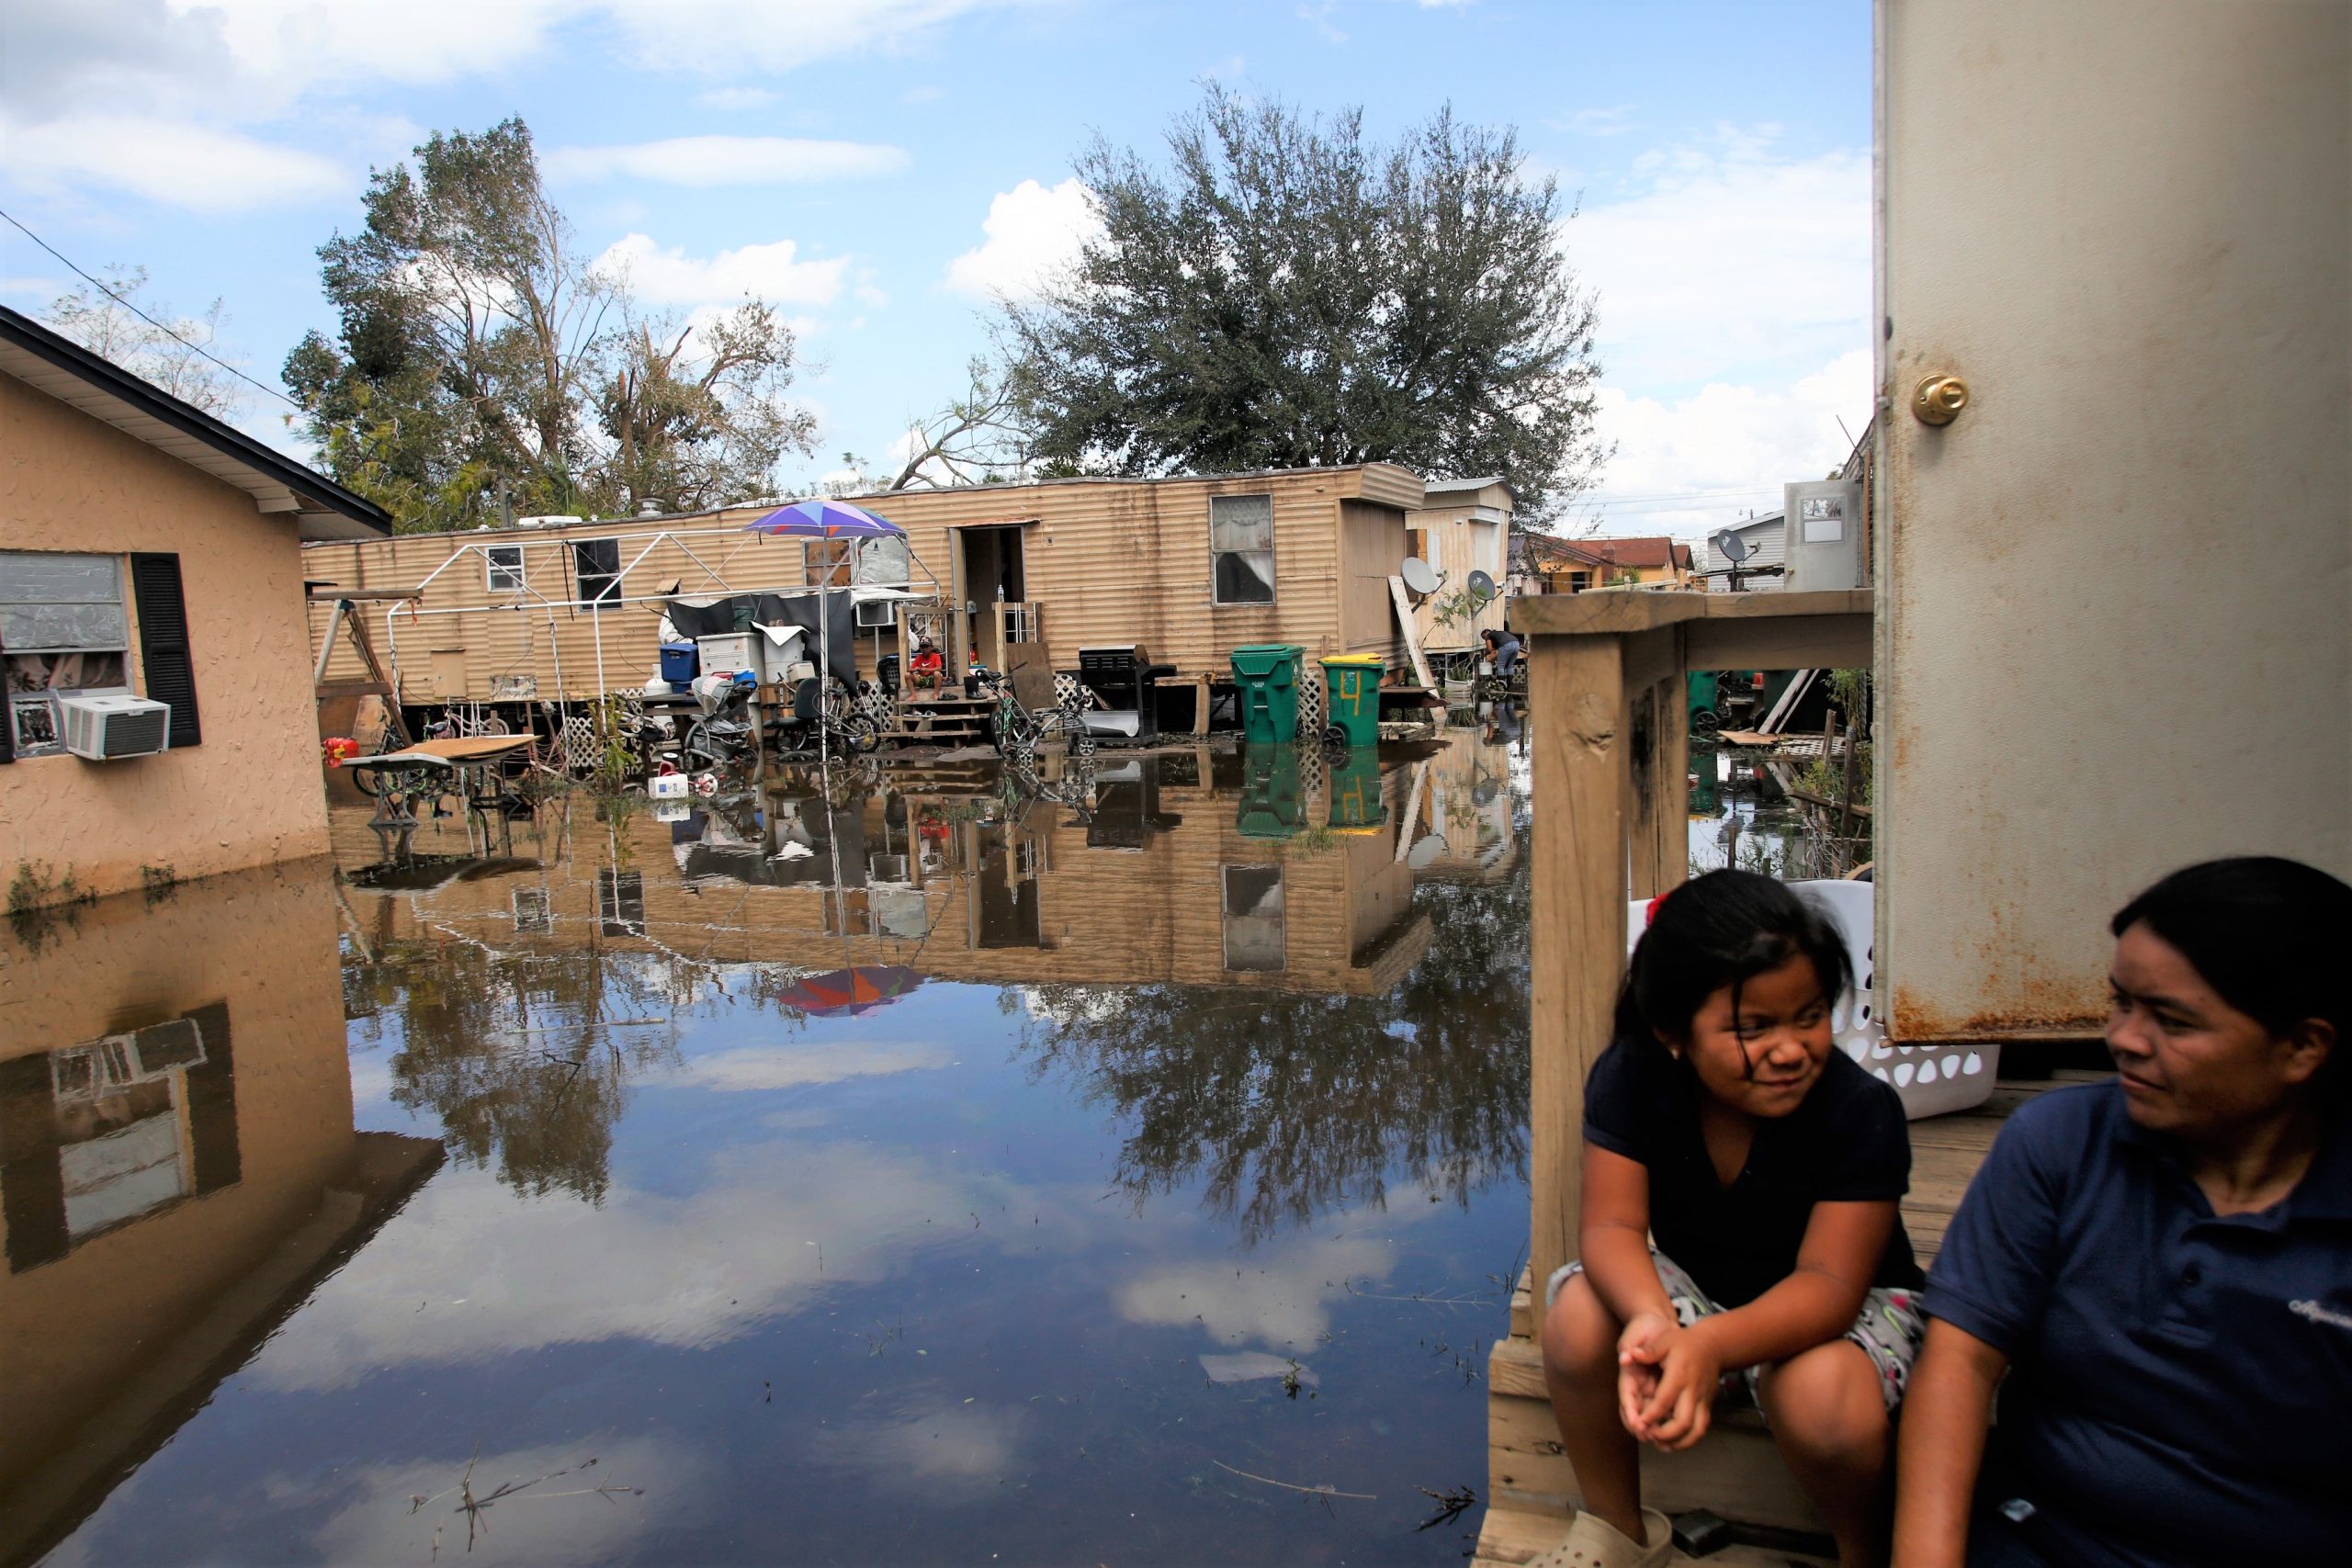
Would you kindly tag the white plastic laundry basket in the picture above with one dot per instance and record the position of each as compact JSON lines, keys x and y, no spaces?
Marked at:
{"x":1931,"y":1079}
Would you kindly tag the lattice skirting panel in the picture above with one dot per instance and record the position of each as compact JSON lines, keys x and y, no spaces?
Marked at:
{"x":1310,"y":704}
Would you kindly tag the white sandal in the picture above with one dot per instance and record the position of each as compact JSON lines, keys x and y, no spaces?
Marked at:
{"x":1594,"y":1544}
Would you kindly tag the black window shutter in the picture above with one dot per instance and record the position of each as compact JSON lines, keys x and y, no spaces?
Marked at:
{"x":162,"y":642}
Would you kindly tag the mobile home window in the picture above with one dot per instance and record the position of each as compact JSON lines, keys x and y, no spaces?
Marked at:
{"x":1256,"y":930}
{"x":505,"y":567}
{"x":63,"y":630}
{"x":596,"y":563}
{"x":1241,"y":543}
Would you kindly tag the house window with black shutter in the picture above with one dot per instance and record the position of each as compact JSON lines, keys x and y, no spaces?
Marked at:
{"x":596,"y":563}
{"x":64,"y":631}
{"x":163,"y":653}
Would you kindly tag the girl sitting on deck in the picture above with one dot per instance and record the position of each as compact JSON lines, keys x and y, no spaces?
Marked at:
{"x":2161,"y":1264}
{"x":1724,"y":1121}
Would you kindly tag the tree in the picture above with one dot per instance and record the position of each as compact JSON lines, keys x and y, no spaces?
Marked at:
{"x":1286,"y":295}
{"x":481,"y":357}
{"x":170,"y":355}
{"x":697,"y":418}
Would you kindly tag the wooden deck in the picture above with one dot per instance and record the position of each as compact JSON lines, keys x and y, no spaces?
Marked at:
{"x":1736,"y":1473}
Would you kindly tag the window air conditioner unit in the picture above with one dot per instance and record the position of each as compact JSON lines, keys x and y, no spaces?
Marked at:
{"x":874,"y":613}
{"x":102,"y":728}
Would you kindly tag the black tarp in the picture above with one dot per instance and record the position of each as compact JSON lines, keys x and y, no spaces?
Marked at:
{"x":742,"y":612}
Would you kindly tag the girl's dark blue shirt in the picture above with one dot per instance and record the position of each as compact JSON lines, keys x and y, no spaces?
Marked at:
{"x":1846,"y":1142}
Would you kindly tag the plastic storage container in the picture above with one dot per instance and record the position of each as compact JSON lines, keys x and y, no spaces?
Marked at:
{"x":680,"y":664}
{"x":1267,"y":673}
{"x":1351,"y":695}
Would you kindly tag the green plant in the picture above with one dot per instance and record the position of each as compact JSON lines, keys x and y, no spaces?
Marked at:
{"x":38,"y":885}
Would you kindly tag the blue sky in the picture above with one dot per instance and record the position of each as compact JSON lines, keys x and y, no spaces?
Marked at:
{"x":884,"y":167}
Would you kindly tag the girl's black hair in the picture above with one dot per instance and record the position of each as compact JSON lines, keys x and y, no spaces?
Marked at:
{"x":2269,"y":935}
{"x":1723,"y":929}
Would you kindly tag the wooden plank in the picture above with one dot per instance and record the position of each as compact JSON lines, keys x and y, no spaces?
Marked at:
{"x":1672,"y":817}
{"x":1735,"y":1472}
{"x":1641,"y":826}
{"x":1608,"y":611}
{"x":1576,"y":701}
{"x":362,"y":595}
{"x":1405,"y":621}
{"x":1817,"y":642}
{"x":327,"y":691}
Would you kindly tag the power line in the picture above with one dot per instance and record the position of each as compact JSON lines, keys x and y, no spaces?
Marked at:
{"x":195,"y":348}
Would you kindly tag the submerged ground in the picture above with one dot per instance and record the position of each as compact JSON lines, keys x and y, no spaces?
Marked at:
{"x":936,"y":1173}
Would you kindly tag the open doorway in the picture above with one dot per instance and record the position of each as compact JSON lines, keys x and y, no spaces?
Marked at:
{"x":989,"y":560}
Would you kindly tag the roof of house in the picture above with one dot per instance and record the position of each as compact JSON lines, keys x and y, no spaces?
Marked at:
{"x":1651,"y":551}
{"x":1467,"y":487}
{"x":321,"y":508}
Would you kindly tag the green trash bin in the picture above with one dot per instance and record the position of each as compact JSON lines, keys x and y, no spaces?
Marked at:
{"x":1355,"y":793}
{"x":1351,"y":695}
{"x":1270,"y":803}
{"x":1268,"y":674}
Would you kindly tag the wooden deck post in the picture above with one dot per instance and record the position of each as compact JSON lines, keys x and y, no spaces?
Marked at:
{"x":1582,"y":781}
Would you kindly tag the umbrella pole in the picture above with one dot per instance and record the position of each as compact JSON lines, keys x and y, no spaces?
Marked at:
{"x":824,"y":685}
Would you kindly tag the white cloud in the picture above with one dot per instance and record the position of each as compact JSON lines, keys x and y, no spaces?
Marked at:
{"x":172,"y":160}
{"x":466,"y":1272}
{"x":1734,"y":445}
{"x":1279,"y":1303}
{"x":756,"y":1067}
{"x":1733,"y":264}
{"x":949,"y":1448}
{"x":773,"y":272}
{"x":1032,"y":231}
{"x":1615,"y":120}
{"x":1251,"y":1365}
{"x":730,"y":98}
{"x":693,"y":35}
{"x":366,"y":1516}
{"x":726,"y":161}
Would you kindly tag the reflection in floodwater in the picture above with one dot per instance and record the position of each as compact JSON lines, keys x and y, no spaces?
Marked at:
{"x":1288,"y":1106}
{"x":780,"y":1130}
{"x":177,"y":1161}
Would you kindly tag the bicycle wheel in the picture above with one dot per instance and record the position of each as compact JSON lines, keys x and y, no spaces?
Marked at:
{"x":857,"y":734}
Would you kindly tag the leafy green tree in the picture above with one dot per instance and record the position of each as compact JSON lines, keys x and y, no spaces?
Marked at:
{"x":482,"y":362}
{"x":98,"y":317}
{"x":1285,"y":293}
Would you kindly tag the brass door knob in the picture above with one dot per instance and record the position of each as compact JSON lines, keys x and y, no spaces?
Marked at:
{"x":1937,"y":400}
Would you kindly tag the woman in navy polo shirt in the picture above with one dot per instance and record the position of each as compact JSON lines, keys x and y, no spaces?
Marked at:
{"x":2161,"y":1264}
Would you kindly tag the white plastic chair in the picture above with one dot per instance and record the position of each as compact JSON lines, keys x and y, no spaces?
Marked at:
{"x":1932,"y":1081}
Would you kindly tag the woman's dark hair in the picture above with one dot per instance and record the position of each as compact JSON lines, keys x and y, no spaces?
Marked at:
{"x":2269,"y":935}
{"x":1723,"y":929}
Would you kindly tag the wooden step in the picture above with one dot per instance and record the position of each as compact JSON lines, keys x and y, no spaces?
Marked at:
{"x":1735,"y":1471}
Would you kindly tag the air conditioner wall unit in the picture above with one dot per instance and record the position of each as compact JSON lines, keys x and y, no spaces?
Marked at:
{"x":874,"y":613}
{"x":101,"y":729}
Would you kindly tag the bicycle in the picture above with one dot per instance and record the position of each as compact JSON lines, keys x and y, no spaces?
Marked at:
{"x":1016,"y":732}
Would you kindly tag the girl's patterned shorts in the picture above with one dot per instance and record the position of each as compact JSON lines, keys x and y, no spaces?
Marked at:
{"x":1888,"y":1329}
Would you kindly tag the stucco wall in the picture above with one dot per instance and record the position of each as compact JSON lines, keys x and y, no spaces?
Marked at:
{"x":248,"y":794}
{"x":2115,"y":592}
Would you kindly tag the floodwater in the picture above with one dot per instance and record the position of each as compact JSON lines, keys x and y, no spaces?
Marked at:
{"x":934,"y":1173}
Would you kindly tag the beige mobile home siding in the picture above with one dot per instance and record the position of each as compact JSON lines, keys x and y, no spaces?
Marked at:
{"x":1110,"y":562}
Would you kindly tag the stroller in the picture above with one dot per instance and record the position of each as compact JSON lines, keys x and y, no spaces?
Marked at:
{"x":727,"y":733}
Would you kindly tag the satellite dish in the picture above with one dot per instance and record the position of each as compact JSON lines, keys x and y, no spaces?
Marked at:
{"x":1422,"y":856}
{"x":1732,"y":546}
{"x":1420,"y":576}
{"x":1481,"y":587}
